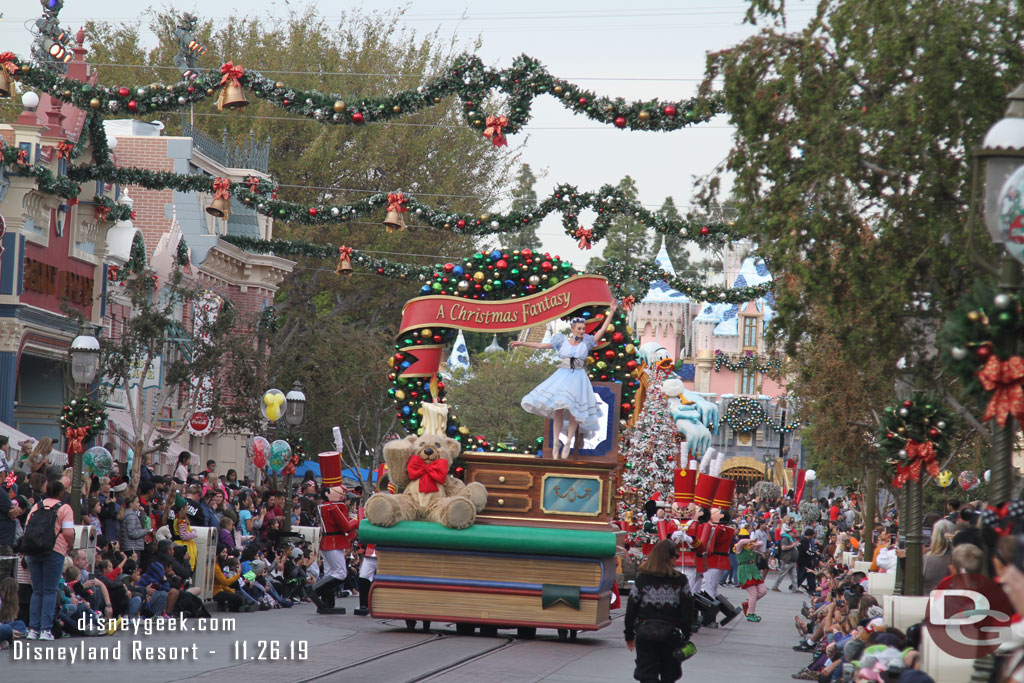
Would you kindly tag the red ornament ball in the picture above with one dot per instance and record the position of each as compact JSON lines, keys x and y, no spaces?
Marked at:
{"x":670,"y":110}
{"x":502,"y":264}
{"x":313,"y":211}
{"x":583,"y":101}
{"x":123,"y":91}
{"x":618,"y":337}
{"x":705,"y":230}
{"x":438,"y":339}
{"x":933,"y":432}
{"x":461,"y":223}
{"x":449,"y":267}
{"x":133,"y":105}
{"x":907,"y":404}
{"x":526,"y":253}
{"x":357,"y":117}
{"x":631,"y":365}
{"x":609,"y":354}
{"x":191,"y":88}
{"x":620,"y":121}
{"x":626,"y":407}
{"x":983,"y":351}
{"x":545,"y":266}
{"x":286,"y":102}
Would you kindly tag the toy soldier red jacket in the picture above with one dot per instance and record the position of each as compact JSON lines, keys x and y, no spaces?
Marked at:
{"x":339,"y":530}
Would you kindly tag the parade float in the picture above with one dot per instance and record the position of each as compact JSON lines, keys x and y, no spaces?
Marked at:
{"x":525,"y":541}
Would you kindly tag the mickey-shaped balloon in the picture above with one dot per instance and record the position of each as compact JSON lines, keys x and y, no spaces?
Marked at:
{"x":945,"y":478}
{"x":273,"y":405}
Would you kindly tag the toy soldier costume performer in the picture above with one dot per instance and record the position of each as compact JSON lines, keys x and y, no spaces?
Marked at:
{"x":338,"y":533}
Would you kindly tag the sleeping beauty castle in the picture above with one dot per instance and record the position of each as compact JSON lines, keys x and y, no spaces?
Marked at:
{"x":720,"y":352}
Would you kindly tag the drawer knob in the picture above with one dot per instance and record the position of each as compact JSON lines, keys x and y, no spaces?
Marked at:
{"x":501,"y":479}
{"x":501,"y":501}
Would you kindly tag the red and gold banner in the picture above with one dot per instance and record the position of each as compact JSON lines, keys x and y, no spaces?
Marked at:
{"x":509,"y":315}
{"x":491,"y":316}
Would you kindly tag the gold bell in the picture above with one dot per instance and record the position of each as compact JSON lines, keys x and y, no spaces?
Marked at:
{"x":394,"y":221}
{"x":220,"y":208}
{"x":344,"y":267}
{"x":231,"y":97}
{"x":6,"y":84}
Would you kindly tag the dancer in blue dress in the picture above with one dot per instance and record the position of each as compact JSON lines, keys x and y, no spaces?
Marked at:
{"x":567,"y":393}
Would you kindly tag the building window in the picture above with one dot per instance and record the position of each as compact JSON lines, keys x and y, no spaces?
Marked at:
{"x":748,"y":382}
{"x":749,"y":332}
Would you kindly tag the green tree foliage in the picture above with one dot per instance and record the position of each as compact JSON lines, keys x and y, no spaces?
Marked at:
{"x":675,"y":245}
{"x":524,"y":196}
{"x":488,"y":402}
{"x":335,"y":333}
{"x":851,"y":174}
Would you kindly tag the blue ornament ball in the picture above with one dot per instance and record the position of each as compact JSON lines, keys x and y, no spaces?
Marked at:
{"x":495,"y":255}
{"x":458,"y":271}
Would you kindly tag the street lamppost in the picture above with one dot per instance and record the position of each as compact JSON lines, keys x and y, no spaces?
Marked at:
{"x":1003,"y":153}
{"x":294,"y":414}
{"x":85,"y":364}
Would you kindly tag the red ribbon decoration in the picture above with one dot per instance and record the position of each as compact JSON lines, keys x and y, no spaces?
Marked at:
{"x":584,"y":235}
{"x":75,"y":437}
{"x":1006,"y":379}
{"x":429,"y":474}
{"x":919,"y":455}
{"x":64,"y":149}
{"x":254,"y":184}
{"x":344,"y":256}
{"x":493,"y":130}
{"x":222,"y":189}
{"x":22,"y":157}
{"x":7,"y":62}
{"x":627,"y":302}
{"x":101,"y":212}
{"x":231,"y":73}
{"x":112,"y":273}
{"x":397,"y":202}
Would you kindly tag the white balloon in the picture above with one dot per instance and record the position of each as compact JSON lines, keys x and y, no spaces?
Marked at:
{"x":987,"y":475}
{"x":811,"y":475}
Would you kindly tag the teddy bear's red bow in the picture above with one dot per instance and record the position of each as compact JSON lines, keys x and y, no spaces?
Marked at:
{"x":430,"y":474}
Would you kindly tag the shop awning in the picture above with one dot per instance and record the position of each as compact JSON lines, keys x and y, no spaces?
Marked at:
{"x":119,"y":424}
{"x":16,"y":437}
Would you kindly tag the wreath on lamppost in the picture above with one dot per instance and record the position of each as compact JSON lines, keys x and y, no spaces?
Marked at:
{"x":744,"y":414}
{"x":913,"y":436}
{"x":500,"y":275}
{"x":981,"y":346}
{"x":80,"y":420}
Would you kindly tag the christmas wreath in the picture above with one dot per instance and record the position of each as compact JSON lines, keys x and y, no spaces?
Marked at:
{"x":744,"y":414}
{"x":980,"y":341}
{"x":499,"y":275}
{"x":913,"y":436}
{"x":80,"y":420}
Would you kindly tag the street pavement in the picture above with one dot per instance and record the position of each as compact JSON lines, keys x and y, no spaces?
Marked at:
{"x":296,"y":645}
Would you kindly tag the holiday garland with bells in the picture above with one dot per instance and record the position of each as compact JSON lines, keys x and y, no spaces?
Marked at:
{"x":913,"y":436}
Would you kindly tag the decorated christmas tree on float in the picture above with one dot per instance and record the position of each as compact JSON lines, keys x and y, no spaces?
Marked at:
{"x":651,"y":452}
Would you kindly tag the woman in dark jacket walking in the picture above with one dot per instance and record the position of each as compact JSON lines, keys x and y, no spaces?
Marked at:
{"x":658,"y":616}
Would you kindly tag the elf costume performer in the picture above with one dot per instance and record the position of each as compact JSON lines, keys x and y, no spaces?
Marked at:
{"x":748,"y":575}
{"x":338,"y":533}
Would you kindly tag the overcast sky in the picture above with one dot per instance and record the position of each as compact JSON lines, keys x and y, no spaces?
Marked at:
{"x":653,"y":49}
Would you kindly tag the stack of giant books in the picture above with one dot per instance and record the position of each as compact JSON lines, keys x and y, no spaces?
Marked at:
{"x":493,"y":575}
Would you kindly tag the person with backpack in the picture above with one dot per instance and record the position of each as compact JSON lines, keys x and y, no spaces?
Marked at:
{"x":49,"y":533}
{"x":789,"y":553}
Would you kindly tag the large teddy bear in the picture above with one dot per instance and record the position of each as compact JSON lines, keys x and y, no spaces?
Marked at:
{"x":418,"y":466}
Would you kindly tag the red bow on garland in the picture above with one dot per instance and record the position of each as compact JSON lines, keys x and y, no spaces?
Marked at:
{"x":584,"y":235}
{"x":112,"y":273}
{"x":101,"y":212}
{"x":397,"y":202}
{"x":75,"y":437}
{"x":1006,"y":379}
{"x":231,"y":73}
{"x":344,"y":259}
{"x":7,"y":62}
{"x":919,"y":455}
{"x":627,"y":302}
{"x":64,"y":149}
{"x":429,"y":474}
{"x":254,"y":184}
{"x":222,"y":188}
{"x":22,"y":159}
{"x":493,"y":130}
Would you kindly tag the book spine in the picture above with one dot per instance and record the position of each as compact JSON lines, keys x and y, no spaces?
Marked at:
{"x":524,"y":588}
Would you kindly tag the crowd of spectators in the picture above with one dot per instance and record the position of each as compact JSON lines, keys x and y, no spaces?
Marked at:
{"x":145,"y":556}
